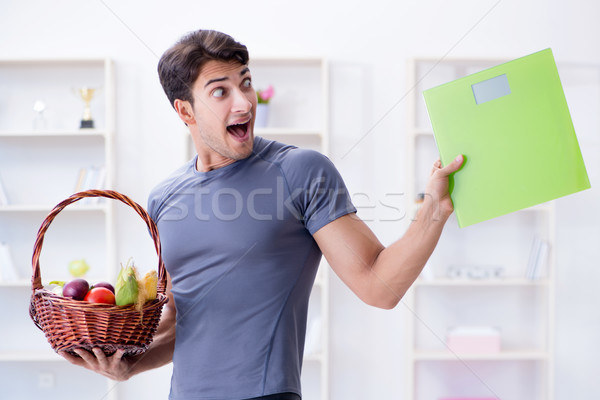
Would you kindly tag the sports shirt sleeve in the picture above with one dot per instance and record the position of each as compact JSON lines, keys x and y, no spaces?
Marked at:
{"x":317,"y":189}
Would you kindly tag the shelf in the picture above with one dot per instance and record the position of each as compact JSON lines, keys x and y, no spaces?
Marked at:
{"x":545,"y":207}
{"x":502,"y":356}
{"x":21,"y":283}
{"x":31,"y":357}
{"x":16,"y":284}
{"x":70,"y":62}
{"x":315,"y":357}
{"x":462,"y":61}
{"x":102,"y":207}
{"x":286,"y":132}
{"x":58,"y":133}
{"x":481,"y":282}
{"x":422,"y":132}
{"x":286,"y":61}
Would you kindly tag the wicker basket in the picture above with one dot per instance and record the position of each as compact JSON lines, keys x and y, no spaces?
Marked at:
{"x":69,"y":324}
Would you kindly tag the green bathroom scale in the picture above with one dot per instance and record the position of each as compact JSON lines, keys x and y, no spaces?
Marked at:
{"x":512,"y":124}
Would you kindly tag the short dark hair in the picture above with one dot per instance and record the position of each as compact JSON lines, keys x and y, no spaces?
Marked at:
{"x":181,"y":64}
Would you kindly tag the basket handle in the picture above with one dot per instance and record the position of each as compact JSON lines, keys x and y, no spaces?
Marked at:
{"x":36,"y":279}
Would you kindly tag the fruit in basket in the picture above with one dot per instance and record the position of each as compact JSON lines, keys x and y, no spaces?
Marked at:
{"x":58,"y":290}
{"x":78,"y":268}
{"x":56,"y":287}
{"x":100,"y":295}
{"x":147,"y":289}
{"x":126,"y":289}
{"x":105,"y":285}
{"x":76,"y":289}
{"x":147,"y":286}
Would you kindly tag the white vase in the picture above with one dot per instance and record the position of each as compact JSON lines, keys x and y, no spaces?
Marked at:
{"x":262,"y":116}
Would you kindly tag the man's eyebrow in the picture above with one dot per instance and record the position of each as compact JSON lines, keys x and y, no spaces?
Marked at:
{"x":242,"y":73}
{"x":215,"y":80}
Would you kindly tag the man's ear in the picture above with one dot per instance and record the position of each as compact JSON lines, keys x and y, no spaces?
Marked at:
{"x":185,"y":111}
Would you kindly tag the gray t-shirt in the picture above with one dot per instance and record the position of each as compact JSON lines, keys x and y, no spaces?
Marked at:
{"x":237,"y":242}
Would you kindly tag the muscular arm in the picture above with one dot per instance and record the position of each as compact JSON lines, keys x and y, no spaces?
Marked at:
{"x":117,"y":367}
{"x":379,"y":275}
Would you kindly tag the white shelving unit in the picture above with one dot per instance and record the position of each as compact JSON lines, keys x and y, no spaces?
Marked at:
{"x":40,"y":161}
{"x":522,"y":308}
{"x":299,"y":115}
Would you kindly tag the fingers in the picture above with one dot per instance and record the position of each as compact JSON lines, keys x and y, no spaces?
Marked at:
{"x":101,"y":359}
{"x":87,"y":359}
{"x":450,"y":168}
{"x":118,"y":355}
{"x":72,"y":359}
{"x":115,"y":359}
{"x":113,"y":367}
{"x":436,"y":165}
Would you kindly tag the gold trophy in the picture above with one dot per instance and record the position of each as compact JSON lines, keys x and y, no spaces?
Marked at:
{"x":86,"y":95}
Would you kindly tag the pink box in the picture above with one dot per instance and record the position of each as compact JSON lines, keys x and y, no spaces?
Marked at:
{"x":474,"y":340}
{"x":469,"y":398}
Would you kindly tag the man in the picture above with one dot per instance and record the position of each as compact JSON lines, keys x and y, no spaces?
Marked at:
{"x":243,"y":227}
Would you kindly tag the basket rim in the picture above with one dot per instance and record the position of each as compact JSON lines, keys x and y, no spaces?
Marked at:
{"x":67,"y":302}
{"x":133,"y":329}
{"x":36,"y":279}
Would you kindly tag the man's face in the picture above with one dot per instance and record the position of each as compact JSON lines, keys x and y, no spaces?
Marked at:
{"x":224,"y":110}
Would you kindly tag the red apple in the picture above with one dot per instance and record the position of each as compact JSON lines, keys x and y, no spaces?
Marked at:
{"x":100,"y":295}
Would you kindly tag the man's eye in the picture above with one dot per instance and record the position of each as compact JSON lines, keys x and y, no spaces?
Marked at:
{"x":219,"y":92}
{"x":247,"y":83}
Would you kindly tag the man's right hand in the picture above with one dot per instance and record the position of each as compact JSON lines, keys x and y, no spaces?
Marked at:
{"x":119,"y":368}
{"x":114,"y":367}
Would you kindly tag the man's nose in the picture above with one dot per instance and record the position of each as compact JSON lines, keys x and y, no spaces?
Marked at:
{"x":241,"y":103}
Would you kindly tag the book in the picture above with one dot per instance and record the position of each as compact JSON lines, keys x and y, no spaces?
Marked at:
{"x":533,"y":254}
{"x":538,"y":259}
{"x":92,"y":177}
{"x":542,"y":261}
{"x":80,"y":180}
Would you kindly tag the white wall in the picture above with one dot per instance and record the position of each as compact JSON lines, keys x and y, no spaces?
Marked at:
{"x":367,"y":44}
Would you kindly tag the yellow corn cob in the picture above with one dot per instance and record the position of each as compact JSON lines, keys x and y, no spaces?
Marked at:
{"x":147,"y":289}
{"x":149,"y":284}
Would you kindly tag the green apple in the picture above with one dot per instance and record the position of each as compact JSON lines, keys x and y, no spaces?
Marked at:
{"x":57,"y":290}
{"x":78,"y":268}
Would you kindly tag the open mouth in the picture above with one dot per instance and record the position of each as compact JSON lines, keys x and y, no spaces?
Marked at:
{"x":239,"y":131}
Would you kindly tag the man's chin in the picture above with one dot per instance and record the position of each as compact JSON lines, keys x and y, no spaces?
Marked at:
{"x":245,"y":148}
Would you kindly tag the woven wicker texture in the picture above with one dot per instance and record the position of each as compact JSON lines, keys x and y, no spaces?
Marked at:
{"x":69,"y":324}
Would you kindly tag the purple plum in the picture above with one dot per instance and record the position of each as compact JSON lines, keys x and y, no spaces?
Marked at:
{"x":76,"y":289}
{"x":105,"y":285}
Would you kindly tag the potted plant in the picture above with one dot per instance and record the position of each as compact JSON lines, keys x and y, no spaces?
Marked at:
{"x":262,"y":108}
